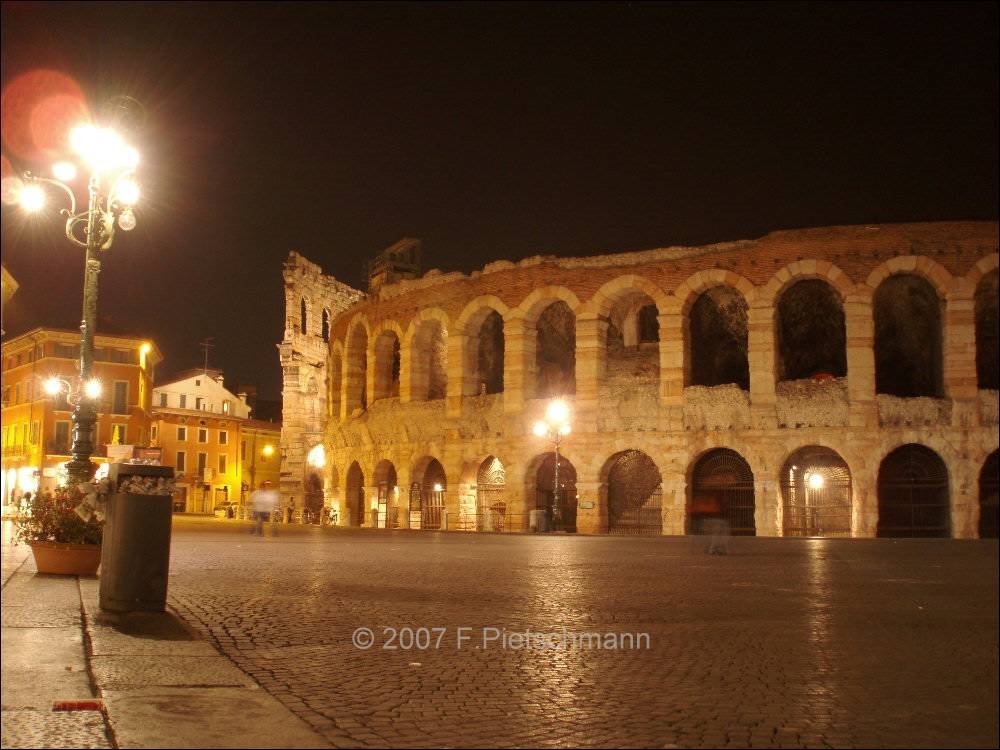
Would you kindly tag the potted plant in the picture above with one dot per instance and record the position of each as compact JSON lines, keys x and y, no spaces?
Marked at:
{"x":64,"y":530}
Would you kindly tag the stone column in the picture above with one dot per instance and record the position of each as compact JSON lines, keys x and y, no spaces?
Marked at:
{"x":674,"y":507}
{"x":959,"y":351}
{"x":519,"y":364}
{"x":859,"y":324}
{"x":767,"y":507}
{"x":864,"y":506}
{"x":593,"y":519}
{"x":762,"y":357}
{"x":591,"y":368}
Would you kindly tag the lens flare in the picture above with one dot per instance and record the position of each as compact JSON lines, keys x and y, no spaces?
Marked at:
{"x":64,"y":170}
{"x":32,"y":198}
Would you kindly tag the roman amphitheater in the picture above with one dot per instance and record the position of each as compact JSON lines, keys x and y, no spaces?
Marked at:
{"x":838,"y":381}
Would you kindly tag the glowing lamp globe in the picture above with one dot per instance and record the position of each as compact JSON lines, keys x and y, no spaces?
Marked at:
{"x":557,"y":413}
{"x":540,"y":429}
{"x":64,"y":170}
{"x":127,"y":192}
{"x":32,"y":198}
{"x":53,"y":386}
{"x":816,"y":481}
{"x":92,"y":388}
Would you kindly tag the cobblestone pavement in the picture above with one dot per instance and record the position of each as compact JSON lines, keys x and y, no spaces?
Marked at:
{"x":782,"y":643}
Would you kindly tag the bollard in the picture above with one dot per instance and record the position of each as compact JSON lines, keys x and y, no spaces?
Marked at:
{"x":135,"y":552}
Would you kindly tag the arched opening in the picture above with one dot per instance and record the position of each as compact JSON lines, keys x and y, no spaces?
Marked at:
{"x":633,"y":337}
{"x":335,"y":374}
{"x":354,"y":495}
{"x":387,"y":361}
{"x":988,"y":480}
{"x":303,"y":327}
{"x":427,"y":493}
{"x":428,"y":374}
{"x":542,"y":486}
{"x":908,"y":360}
{"x":913,"y":494}
{"x":489,"y":355}
{"x":987,"y":364}
{"x":555,"y":351}
{"x":812,"y":336}
{"x":313,"y":499}
{"x":722,"y":489}
{"x":491,"y":504}
{"x":816,"y":493}
{"x":388,"y":495}
{"x":635,"y":494}
{"x":357,"y":369}
{"x":717,"y":339}
{"x":326,"y":325}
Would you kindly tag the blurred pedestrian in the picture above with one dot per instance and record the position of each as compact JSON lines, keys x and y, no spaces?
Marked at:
{"x":263,"y":502}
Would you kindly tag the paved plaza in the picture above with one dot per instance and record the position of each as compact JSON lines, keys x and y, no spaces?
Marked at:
{"x":782,"y":643}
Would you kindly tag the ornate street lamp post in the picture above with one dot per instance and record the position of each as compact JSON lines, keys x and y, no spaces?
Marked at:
{"x":554,"y":427}
{"x":111,"y":194}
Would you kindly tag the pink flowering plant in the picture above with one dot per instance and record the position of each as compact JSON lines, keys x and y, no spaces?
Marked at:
{"x":70,"y":515}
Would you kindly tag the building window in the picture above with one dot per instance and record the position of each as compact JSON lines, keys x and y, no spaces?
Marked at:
{"x":120,"y":405}
{"x":183,"y":401}
{"x":30,"y":391}
{"x":223,"y":437}
{"x":119,"y":434}
{"x":34,"y":433}
{"x":202,"y":435}
{"x":62,"y":438}
{"x":197,"y":402}
{"x":6,"y":395}
{"x":163,"y":399}
{"x":302,"y":315}
{"x":243,"y":450}
{"x":17,"y":393}
{"x":153,"y":432}
{"x":226,"y":406}
{"x":197,"y":382}
{"x":182,"y":434}
{"x":180,"y":460}
{"x":202,"y":462}
{"x":222,"y":463}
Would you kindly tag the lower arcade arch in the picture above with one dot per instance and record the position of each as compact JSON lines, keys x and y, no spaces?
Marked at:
{"x":387,"y":496}
{"x":913,"y":494}
{"x":354,"y":495}
{"x":427,"y":494}
{"x":635,"y":494}
{"x":541,"y":479}
{"x":312,"y":499}
{"x":722,"y":490}
{"x":816,"y":493}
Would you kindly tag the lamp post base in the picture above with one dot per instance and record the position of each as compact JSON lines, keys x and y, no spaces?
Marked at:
{"x":80,"y":471}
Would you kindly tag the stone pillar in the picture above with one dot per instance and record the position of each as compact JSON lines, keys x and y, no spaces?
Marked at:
{"x":959,"y":351}
{"x":762,"y":357}
{"x":591,"y":368}
{"x":593,"y":519}
{"x":630,"y":329}
{"x":672,"y":358}
{"x":461,"y":372}
{"x":963,"y":489}
{"x":674,"y":507}
{"x":767,"y":507}
{"x":519,"y":364}
{"x":864,"y":506}
{"x":403,"y":480}
{"x":859,"y":324}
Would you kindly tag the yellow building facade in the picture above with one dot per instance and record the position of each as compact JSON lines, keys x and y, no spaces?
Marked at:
{"x":37,"y":427}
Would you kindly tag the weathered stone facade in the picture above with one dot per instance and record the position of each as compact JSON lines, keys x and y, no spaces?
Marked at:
{"x":312,"y":302}
{"x":626,"y":373}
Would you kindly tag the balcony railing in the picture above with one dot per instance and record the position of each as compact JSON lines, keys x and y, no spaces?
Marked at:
{"x":17,"y":449}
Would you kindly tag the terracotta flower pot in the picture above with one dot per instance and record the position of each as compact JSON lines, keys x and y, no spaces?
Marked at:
{"x":66,"y":559}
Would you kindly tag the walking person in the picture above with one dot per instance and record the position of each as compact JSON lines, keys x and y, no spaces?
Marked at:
{"x":263,"y":502}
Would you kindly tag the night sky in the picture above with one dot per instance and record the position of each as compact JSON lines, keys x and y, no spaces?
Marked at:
{"x":489,"y":131}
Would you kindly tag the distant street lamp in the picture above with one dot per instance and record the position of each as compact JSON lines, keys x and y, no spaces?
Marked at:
{"x":112,"y":193}
{"x":554,"y":427}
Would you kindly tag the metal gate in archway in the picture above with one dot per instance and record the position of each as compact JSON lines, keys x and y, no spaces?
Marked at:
{"x":354,"y":495}
{"x":988,"y":489}
{"x":388,"y":508}
{"x":432,"y":496}
{"x":816,"y":494}
{"x":491,"y":505}
{"x":635,"y":495}
{"x":722,"y":487}
{"x":913,"y":494}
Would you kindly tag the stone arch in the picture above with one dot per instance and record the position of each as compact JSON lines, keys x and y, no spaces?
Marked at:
{"x":986,"y":312}
{"x":909,"y":346}
{"x":629,"y":339}
{"x":810,"y":330}
{"x":387,"y":357}
{"x":427,"y":354}
{"x":540,"y":489}
{"x":481,"y":328}
{"x":716,"y":337}
{"x":988,"y":483}
{"x":721,"y":489}
{"x":816,"y":493}
{"x":429,"y":483}
{"x":767,"y":295}
{"x":491,"y":499}
{"x":692,"y":287}
{"x":920,"y":265}
{"x":354,"y":495}
{"x":356,"y":366}
{"x":634,"y":491}
{"x":555,"y":351}
{"x":534,"y":304}
{"x":612,"y":292}
{"x":387,"y":494}
{"x":913,"y":494}
{"x":326,"y":324}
